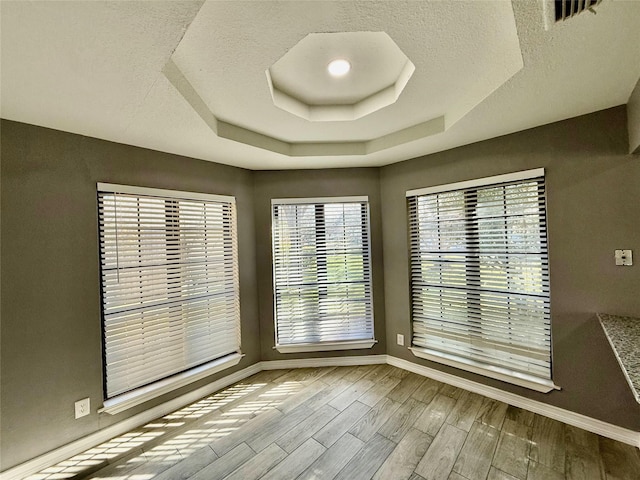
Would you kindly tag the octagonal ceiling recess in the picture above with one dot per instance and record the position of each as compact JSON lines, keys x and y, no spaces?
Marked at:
{"x":302,"y":111}
{"x":301,"y":84}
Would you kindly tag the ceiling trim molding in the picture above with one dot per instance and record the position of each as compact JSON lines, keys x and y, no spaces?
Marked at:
{"x":252,"y":138}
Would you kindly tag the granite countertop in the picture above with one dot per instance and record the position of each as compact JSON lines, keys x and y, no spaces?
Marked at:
{"x":624,"y":336}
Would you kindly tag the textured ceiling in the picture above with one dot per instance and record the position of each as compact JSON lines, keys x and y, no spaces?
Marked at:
{"x":191,"y":77}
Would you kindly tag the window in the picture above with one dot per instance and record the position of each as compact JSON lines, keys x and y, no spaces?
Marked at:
{"x":480,"y":278}
{"x":169,"y":271}
{"x":322,"y":274}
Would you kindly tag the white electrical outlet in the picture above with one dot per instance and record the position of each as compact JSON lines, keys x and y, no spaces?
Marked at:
{"x":624,"y":257}
{"x":83,"y":407}
{"x":400,"y":339}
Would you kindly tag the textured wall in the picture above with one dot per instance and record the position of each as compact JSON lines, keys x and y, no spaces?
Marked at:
{"x":633,"y":116}
{"x":315,"y":183}
{"x":593,"y":208}
{"x":51,"y":335}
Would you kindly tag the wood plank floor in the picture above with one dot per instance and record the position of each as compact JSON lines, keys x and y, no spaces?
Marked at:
{"x":352,"y":423}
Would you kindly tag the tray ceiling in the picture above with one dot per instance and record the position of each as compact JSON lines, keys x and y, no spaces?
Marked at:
{"x":245,"y":83}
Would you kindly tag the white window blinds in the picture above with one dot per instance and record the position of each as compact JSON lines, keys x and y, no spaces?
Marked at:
{"x":322,"y":272}
{"x":169,"y":274}
{"x":480,"y":278}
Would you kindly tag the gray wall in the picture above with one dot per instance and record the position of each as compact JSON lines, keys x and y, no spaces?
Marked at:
{"x":593,"y":208}
{"x":51,"y":336}
{"x":315,"y":183}
{"x":633,"y":114}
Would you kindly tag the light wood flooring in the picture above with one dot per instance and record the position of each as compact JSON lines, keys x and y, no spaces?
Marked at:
{"x":352,"y":423}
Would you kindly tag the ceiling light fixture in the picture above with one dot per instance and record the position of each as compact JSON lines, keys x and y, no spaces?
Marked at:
{"x":338,"y":68}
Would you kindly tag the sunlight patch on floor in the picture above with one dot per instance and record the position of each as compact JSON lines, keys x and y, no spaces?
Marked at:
{"x":186,"y":438}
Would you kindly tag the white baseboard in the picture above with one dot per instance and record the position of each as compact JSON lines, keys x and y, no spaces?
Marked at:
{"x":566,"y":416}
{"x":575,"y":419}
{"x":324,"y":362}
{"x":74,"y":448}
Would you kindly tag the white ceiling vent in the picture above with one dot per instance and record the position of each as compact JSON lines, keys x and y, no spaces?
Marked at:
{"x":568,"y":8}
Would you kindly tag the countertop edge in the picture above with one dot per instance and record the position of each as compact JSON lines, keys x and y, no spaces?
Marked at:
{"x":635,"y":392}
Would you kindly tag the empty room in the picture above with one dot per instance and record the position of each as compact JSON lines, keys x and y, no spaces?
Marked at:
{"x":320,"y":240}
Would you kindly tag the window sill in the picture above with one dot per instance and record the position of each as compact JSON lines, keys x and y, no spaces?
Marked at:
{"x":138,"y":396}
{"x":503,"y":374}
{"x":326,"y":346}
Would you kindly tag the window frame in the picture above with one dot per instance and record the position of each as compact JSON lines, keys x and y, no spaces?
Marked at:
{"x":506,"y":374}
{"x":320,"y":202}
{"x":123,"y":400}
